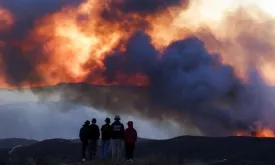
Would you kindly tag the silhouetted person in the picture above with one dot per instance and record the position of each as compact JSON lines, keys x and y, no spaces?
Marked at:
{"x":117,"y":138}
{"x":130,"y":138}
{"x":94,"y":135}
{"x":106,"y":134}
{"x":84,"y":136}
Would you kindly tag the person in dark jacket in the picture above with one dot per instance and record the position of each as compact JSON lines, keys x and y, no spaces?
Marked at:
{"x":94,"y":135}
{"x":117,"y":138}
{"x":106,"y":134}
{"x":130,"y":138}
{"x":83,"y":136}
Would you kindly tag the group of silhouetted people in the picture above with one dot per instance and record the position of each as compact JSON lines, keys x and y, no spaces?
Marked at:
{"x":113,"y":134}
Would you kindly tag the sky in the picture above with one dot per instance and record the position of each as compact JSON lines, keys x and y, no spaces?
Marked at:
{"x":23,"y":116}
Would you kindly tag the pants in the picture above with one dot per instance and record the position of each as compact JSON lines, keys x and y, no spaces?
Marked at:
{"x":92,"y":148}
{"x":84,"y":148}
{"x":117,"y":145}
{"x":129,"y":150}
{"x":104,"y":148}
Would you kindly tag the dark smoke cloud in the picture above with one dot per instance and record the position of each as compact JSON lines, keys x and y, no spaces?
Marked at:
{"x":21,"y":66}
{"x":114,"y":99}
{"x":143,"y":6}
{"x":184,"y":77}
{"x":185,"y":67}
{"x":137,"y":10}
{"x":186,"y":80}
{"x":26,"y":12}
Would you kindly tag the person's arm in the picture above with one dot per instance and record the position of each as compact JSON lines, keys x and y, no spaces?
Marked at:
{"x":102,"y":128}
{"x":80,"y":133}
{"x":98,"y":132}
{"x":122,"y":130}
{"x":89,"y":131}
{"x":112,"y":129}
{"x":135,"y":135}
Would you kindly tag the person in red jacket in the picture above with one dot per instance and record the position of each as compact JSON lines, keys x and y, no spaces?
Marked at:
{"x":130,"y":138}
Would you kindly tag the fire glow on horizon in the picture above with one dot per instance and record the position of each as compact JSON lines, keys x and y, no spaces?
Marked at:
{"x":76,"y":40}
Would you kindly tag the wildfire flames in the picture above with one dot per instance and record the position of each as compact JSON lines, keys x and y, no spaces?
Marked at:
{"x":264,"y":132}
{"x":74,"y":41}
{"x":6,"y":19}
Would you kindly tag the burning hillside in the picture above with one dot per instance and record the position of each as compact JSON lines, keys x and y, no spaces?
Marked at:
{"x":166,"y":47}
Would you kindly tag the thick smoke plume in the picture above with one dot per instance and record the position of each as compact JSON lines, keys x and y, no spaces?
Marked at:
{"x":186,"y":82}
{"x":27,"y":12}
{"x":184,"y":77}
{"x":172,"y":69}
{"x":17,"y":64}
{"x":142,"y":6}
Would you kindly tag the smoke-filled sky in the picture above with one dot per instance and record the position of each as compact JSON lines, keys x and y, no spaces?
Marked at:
{"x":23,"y":116}
{"x":205,"y":64}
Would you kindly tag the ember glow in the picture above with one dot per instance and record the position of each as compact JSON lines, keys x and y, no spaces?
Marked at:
{"x":266,"y":132}
{"x":76,"y":40}
{"x":263,"y":132}
{"x":71,"y":44}
{"x":6,"y":19}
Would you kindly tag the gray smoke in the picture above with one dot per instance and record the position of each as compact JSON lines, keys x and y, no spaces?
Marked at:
{"x":18,"y":68}
{"x":186,"y":81}
{"x":22,"y":116}
{"x":134,"y":12}
{"x":187,"y":78}
{"x":144,"y":6}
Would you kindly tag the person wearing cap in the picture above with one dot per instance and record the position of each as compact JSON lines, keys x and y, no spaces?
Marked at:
{"x":83,"y":136}
{"x":106,"y":134}
{"x":130,"y":138}
{"x":117,"y":139}
{"x":94,"y":135}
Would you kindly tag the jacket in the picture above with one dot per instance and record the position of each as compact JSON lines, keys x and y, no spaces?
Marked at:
{"x":106,"y":132}
{"x":130,"y":134}
{"x":94,"y":132}
{"x":84,"y":132}
{"x":117,"y":130}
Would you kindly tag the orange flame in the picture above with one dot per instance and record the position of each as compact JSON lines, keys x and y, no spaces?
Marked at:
{"x":76,"y":40}
{"x":266,"y":132}
{"x":259,"y":132}
{"x":6,"y":22}
{"x":77,"y":47}
{"x":6,"y":19}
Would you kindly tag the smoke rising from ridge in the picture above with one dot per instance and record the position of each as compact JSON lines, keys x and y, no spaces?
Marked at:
{"x":142,"y":43}
{"x":185,"y":77}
